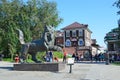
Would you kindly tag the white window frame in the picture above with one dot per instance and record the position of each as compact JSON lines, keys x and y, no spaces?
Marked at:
{"x":68,"y":42}
{"x":74,"y":33}
{"x":81,"y":32}
{"x":67,"y":33}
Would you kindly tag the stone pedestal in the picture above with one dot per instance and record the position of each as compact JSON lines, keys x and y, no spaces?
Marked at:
{"x":39,"y":67}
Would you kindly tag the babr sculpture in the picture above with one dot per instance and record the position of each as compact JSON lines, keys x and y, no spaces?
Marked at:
{"x":44,"y":44}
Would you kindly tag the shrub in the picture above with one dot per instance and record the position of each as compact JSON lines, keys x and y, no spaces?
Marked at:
{"x":117,"y":63}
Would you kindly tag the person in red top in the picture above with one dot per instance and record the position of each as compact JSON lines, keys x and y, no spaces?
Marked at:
{"x":17,"y":58}
{"x":64,"y":55}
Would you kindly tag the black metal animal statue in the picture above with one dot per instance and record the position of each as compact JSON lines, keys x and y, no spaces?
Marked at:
{"x":44,"y":44}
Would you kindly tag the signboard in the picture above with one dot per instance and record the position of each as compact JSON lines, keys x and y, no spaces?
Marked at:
{"x":70,"y":60}
{"x":84,"y":48}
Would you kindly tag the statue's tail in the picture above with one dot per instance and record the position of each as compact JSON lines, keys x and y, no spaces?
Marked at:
{"x":21,"y":37}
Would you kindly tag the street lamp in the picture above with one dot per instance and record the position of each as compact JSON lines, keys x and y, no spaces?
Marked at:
{"x":107,"y":55}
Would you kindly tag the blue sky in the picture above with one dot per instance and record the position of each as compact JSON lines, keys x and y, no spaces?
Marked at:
{"x":100,"y":15}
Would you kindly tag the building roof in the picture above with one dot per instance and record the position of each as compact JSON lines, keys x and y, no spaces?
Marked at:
{"x":59,"y":33}
{"x":75,"y":25}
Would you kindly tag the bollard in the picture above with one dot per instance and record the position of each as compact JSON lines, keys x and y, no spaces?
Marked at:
{"x":70,"y":68}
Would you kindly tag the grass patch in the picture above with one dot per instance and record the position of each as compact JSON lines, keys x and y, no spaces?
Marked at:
{"x":7,"y":59}
{"x":39,"y":56}
{"x":57,"y":54}
{"x":117,"y":63}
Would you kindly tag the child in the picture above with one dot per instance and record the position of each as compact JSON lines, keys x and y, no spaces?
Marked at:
{"x":56,"y":59}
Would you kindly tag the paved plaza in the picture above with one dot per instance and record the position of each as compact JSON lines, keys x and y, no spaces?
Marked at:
{"x":80,"y":71}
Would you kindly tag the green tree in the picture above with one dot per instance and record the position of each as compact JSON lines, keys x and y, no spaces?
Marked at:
{"x":117,"y":4}
{"x":29,"y":16}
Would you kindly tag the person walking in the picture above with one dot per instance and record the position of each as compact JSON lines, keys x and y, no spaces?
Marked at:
{"x":76,"y":57}
{"x":81,"y":57}
{"x":73,"y":56}
{"x":47,"y":57}
{"x":64,"y":56}
{"x":51,"y":56}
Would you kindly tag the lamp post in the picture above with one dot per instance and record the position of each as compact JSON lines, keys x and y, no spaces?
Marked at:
{"x":107,"y":55}
{"x":107,"y":59}
{"x":90,"y":50}
{"x":76,"y":53}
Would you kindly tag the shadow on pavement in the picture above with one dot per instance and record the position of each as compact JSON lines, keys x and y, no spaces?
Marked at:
{"x":7,"y":68}
{"x":89,"y":62}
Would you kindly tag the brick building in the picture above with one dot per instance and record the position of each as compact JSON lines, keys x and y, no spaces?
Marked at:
{"x":77,"y":39}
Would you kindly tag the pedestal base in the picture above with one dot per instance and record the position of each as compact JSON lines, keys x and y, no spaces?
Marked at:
{"x":39,"y":67}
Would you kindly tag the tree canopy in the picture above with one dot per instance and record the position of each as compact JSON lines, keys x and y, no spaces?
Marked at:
{"x":30,"y":16}
{"x":117,"y":4}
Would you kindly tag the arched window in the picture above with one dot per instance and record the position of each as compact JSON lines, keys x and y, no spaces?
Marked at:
{"x":68,"y":42}
{"x":80,"y":42}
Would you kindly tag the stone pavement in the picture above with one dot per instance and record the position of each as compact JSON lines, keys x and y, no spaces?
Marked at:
{"x":80,"y":71}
